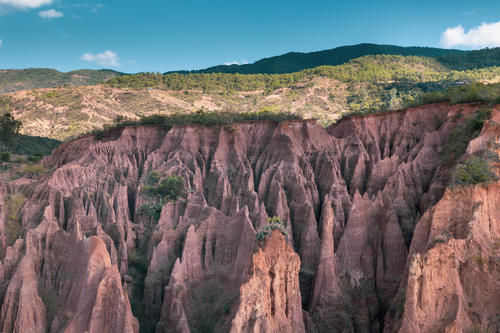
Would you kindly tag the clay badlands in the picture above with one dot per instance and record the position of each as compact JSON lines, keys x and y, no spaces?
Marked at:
{"x":374,"y":239}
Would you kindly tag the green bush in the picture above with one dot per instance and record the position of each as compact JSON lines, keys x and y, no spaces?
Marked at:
{"x":13,"y":223}
{"x":32,"y":170}
{"x":459,"y":139}
{"x":152,"y":208}
{"x":475,"y":170}
{"x":274,"y":224}
{"x":4,"y":156}
{"x":9,"y":131}
{"x":169,"y":188}
{"x":34,"y":145}
{"x":163,"y":190}
{"x":34,"y":158}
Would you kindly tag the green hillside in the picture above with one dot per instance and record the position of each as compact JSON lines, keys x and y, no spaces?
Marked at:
{"x":368,"y":69}
{"x":22,"y":79}
{"x":296,"y":61}
{"x":471,"y":59}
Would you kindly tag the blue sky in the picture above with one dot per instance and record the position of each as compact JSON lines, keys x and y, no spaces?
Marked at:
{"x":133,"y":36}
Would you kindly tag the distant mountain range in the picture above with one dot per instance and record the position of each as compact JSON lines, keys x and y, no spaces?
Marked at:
{"x":296,"y":61}
{"x":32,"y":78}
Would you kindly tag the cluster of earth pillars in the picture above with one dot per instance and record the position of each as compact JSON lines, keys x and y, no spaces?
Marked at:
{"x":373,"y":239}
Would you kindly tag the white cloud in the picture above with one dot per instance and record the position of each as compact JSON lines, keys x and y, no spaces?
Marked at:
{"x":50,"y":14}
{"x":234,"y":62}
{"x":25,"y":4}
{"x":485,"y":35}
{"x":1,"y":43}
{"x":107,"y":58}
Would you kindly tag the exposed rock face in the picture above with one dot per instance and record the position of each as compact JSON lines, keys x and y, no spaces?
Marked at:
{"x":23,"y":310}
{"x":359,"y":202}
{"x":453,"y":271}
{"x":270,"y":301}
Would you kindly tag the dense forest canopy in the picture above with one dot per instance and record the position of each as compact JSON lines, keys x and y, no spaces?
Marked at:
{"x":297,"y":61}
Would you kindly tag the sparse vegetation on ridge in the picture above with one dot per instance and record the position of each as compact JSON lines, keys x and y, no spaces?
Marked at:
{"x":13,"y":228}
{"x":459,"y":139}
{"x":197,"y":118}
{"x":370,"y":69}
{"x":473,"y":171}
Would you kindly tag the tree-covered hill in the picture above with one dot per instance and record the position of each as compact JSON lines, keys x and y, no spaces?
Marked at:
{"x":368,"y":84}
{"x":22,"y":79}
{"x":368,"y":69}
{"x":296,"y":61}
{"x":471,"y":59}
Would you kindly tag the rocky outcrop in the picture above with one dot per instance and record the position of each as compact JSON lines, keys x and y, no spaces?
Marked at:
{"x":453,"y":283}
{"x":23,"y":310}
{"x":452,"y":280}
{"x":358,"y":201}
{"x":270,"y":300}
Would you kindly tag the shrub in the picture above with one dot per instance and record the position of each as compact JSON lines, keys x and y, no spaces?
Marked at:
{"x":152,"y":208}
{"x":266,"y":231}
{"x":9,"y":130}
{"x":475,"y":170}
{"x":163,"y":190}
{"x":199,"y":117}
{"x":459,"y":139}
{"x":5,"y":156}
{"x":13,"y":226}
{"x":32,"y":170}
{"x":169,"y":188}
{"x":35,"y":158}
{"x":438,"y":122}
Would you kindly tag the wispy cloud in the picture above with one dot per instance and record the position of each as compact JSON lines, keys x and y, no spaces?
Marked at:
{"x":50,"y":14}
{"x":1,"y":42}
{"x":235,"y":62}
{"x":96,"y":7}
{"x":107,"y":58}
{"x":485,"y":35}
{"x":25,"y":4}
{"x":93,"y":7}
{"x":471,"y":12}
